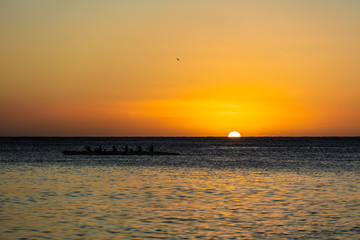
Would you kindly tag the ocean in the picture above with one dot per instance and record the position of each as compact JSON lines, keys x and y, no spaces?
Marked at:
{"x":217,"y":188}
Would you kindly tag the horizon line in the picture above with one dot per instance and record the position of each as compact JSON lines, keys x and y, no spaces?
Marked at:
{"x":303,"y":136}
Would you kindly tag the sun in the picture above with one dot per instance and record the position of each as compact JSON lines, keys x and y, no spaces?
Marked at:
{"x":234,"y":134}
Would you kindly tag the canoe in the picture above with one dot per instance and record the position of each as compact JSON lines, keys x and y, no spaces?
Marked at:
{"x":98,"y":153}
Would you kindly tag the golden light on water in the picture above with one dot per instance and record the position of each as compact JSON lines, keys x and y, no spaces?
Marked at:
{"x":234,"y":134}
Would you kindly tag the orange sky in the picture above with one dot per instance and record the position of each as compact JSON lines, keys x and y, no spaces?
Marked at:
{"x":109,"y":68}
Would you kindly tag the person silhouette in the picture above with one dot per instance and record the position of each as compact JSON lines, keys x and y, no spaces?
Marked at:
{"x":151,"y":148}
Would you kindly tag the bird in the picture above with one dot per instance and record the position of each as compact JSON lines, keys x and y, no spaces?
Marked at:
{"x":178,"y":59}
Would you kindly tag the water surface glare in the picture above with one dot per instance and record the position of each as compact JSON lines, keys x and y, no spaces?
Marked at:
{"x":217,"y":188}
{"x":137,"y":202}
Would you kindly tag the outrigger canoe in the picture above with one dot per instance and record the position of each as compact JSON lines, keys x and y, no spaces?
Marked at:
{"x":117,"y":153}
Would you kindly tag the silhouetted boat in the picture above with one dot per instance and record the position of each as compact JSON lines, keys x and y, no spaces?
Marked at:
{"x":117,"y":153}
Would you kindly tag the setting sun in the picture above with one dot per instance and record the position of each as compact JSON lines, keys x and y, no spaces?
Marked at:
{"x":234,"y":134}
{"x":92,"y":73}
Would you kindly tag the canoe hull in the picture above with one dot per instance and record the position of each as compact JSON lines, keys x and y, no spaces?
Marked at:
{"x":117,"y":153}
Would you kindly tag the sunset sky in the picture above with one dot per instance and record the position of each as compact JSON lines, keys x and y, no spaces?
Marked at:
{"x":110,"y":68}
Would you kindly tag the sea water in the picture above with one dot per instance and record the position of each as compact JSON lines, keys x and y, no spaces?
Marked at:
{"x":217,"y":188}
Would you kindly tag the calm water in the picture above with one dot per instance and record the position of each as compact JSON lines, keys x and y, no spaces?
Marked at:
{"x":265,"y":188}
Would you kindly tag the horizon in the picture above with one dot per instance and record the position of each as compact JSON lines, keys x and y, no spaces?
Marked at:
{"x":180,"y":137}
{"x":199,"y":68}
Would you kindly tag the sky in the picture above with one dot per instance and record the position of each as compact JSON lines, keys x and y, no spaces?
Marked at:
{"x":110,"y":68}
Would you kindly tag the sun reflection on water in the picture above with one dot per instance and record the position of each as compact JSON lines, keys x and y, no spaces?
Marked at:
{"x":170,"y":202}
